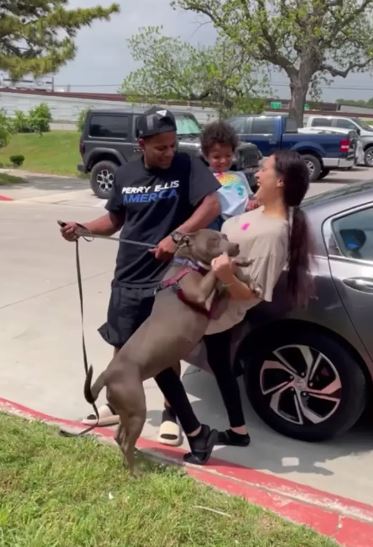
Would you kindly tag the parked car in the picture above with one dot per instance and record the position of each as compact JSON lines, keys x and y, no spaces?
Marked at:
{"x":309,"y":372}
{"x":109,"y":140}
{"x":363,"y":129}
{"x":320,"y":152}
{"x":350,"y":133}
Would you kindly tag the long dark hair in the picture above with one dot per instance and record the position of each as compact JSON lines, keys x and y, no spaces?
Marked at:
{"x":291,"y":167}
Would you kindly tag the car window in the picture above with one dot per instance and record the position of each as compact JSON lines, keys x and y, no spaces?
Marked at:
{"x":109,"y":127}
{"x":240,"y":125}
{"x":291,"y":125}
{"x":187,"y":125}
{"x":262,"y":126}
{"x":354,"y":234}
{"x":321,"y":122}
{"x":364,"y":125}
{"x":345,"y":124}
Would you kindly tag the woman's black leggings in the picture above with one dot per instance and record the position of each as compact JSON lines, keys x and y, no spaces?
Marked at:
{"x":218,"y":355}
{"x":173,"y":390}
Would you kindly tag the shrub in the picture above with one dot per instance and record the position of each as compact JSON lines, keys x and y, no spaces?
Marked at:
{"x":21,"y":122}
{"x":81,"y":120}
{"x":17,"y":160}
{"x":37,"y":120}
{"x":40,"y":118}
{"x":6,"y":128}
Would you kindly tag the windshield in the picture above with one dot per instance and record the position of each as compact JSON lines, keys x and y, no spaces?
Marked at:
{"x":187,"y":125}
{"x":363,"y":124}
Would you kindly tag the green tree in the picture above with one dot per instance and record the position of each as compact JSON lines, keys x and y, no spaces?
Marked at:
{"x":37,"y":36}
{"x":171,"y":69}
{"x":307,"y":39}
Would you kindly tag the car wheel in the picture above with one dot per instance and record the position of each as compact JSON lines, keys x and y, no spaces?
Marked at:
{"x":305,"y":385}
{"x":314,"y":166}
{"x":102,"y":178}
{"x":368,"y":157}
{"x":324,"y":173}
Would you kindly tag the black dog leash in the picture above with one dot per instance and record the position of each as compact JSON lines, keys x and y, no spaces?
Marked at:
{"x":87,"y":236}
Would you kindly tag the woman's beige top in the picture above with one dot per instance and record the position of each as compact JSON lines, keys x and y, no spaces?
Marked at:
{"x":263,"y":240}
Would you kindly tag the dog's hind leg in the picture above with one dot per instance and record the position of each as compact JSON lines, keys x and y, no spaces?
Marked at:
{"x":120,"y":437}
{"x":135,"y":423}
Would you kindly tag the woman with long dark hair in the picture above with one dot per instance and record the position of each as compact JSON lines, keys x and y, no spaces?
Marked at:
{"x":271,"y":237}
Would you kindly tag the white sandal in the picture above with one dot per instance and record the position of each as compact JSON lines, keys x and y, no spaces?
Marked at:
{"x":106,"y":417}
{"x":170,"y":433}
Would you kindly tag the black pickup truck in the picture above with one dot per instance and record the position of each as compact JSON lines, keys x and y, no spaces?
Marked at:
{"x":109,"y":140}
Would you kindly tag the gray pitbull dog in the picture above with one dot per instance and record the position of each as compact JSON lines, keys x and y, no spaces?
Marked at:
{"x":176,"y":325}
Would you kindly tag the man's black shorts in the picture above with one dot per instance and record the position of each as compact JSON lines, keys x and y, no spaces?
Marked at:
{"x":128,"y":309}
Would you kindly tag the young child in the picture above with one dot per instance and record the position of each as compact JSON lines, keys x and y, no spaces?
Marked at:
{"x":219,"y":143}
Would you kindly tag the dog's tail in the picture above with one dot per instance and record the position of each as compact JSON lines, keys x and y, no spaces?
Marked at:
{"x":92,"y":392}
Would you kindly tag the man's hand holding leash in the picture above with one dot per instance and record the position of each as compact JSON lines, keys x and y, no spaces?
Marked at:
{"x":70,"y":230}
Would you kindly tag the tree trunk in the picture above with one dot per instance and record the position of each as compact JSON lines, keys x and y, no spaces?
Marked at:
{"x":298,"y":89}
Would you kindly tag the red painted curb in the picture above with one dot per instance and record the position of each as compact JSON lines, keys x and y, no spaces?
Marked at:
{"x":5,"y":198}
{"x":347,"y":521}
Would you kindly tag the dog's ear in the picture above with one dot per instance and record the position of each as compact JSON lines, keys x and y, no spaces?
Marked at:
{"x":180,"y":238}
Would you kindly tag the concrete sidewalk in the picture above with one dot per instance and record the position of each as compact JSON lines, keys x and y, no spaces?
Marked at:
{"x":41,"y":360}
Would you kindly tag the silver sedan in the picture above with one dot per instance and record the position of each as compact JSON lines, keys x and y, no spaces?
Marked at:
{"x":308,"y":373}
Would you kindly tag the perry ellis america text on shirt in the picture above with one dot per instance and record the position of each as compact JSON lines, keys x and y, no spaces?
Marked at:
{"x":152,"y":193}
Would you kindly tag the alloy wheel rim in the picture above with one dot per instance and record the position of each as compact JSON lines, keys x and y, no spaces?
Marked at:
{"x":301,"y":385}
{"x":105,"y":180}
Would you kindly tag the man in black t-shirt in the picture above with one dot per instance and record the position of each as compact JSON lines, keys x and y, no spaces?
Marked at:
{"x":161,"y":192}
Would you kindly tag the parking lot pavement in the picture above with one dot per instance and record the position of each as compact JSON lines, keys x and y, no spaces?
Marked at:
{"x":77,"y":192}
{"x":41,"y":359}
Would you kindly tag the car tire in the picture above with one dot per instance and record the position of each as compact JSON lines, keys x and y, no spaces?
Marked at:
{"x":338,"y":384}
{"x":368,"y":156}
{"x":314,"y":166}
{"x":102,"y":178}
{"x":324,"y":173}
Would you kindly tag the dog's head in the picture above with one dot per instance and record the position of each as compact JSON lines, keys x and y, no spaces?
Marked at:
{"x":204,"y":245}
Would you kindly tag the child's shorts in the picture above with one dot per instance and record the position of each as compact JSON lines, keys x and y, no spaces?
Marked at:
{"x":217,"y":224}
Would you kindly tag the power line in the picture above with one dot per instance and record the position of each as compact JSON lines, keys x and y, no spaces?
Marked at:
{"x":341,"y":88}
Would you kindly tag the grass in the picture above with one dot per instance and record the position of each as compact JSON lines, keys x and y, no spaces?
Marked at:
{"x":6,"y":179}
{"x":59,"y":492}
{"x":56,"y":152}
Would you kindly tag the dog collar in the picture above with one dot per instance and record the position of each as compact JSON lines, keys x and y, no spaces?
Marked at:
{"x":187,"y":262}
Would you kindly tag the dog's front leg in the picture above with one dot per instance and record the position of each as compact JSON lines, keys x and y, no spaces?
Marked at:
{"x":199,"y":290}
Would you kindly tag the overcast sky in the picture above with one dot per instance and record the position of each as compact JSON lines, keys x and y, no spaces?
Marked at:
{"x":103,"y":58}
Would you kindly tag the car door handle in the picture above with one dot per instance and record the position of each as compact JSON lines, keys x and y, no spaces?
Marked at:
{"x":364,"y":284}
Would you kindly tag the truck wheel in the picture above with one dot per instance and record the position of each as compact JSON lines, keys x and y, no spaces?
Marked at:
{"x":314,"y":166}
{"x":368,"y":157}
{"x":324,"y":173}
{"x":102,"y":178}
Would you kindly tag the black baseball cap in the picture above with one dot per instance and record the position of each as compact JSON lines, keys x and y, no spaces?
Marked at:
{"x":154,"y":121}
